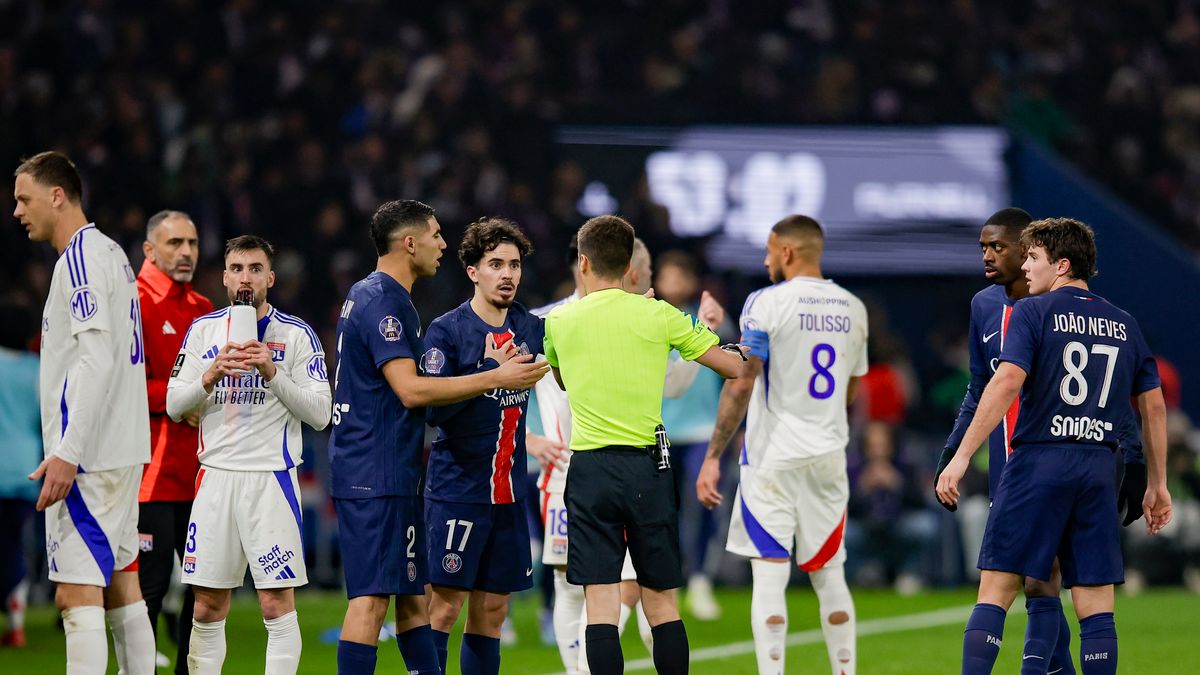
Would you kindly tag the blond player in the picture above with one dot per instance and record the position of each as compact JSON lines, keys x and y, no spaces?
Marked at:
{"x":252,"y":398}
{"x":95,"y":422}
{"x":808,"y":339}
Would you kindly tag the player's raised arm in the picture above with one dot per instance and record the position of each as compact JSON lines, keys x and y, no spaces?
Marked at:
{"x":416,"y":391}
{"x":304,"y":387}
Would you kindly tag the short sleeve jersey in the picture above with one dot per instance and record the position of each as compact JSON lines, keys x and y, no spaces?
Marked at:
{"x":94,"y":289}
{"x":479,"y":454}
{"x":611,"y":348}
{"x":817,"y":337}
{"x":1084,"y":358}
{"x":376,"y":445}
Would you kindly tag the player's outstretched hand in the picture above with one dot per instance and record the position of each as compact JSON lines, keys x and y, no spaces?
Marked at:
{"x":546,"y":451}
{"x":226,"y":363}
{"x":943,"y":462}
{"x":1133,"y":485}
{"x":711,"y":313}
{"x":498,"y":354}
{"x":947,"y":485}
{"x":60,"y":475}
{"x":706,"y":483}
{"x":1157,"y":506}
{"x":519,"y":372}
{"x":257,"y":355}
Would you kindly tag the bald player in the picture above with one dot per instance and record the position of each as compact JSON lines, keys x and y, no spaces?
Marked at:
{"x":808,"y":348}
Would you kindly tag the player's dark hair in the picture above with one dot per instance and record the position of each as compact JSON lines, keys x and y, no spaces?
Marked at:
{"x":54,"y":169}
{"x":607,"y":241}
{"x":1010,"y":218}
{"x":160,"y":217}
{"x":394,"y":216}
{"x":1064,"y":238}
{"x":800,"y":227}
{"x":486,"y":234}
{"x":251,"y":242}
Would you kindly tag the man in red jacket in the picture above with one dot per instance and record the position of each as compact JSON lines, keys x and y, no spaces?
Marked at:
{"x":169,"y":483}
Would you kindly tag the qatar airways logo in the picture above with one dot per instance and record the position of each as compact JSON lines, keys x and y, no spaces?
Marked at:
{"x":507,"y":398}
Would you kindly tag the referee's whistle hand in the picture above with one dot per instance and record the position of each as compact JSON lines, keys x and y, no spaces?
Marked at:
{"x":60,"y":475}
{"x":707,"y":481}
{"x":520,"y":372}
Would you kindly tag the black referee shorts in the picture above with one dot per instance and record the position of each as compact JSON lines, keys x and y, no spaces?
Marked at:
{"x":616,"y":496}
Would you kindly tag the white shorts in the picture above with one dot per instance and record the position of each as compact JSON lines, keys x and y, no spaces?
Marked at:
{"x":93,"y":532}
{"x":805,"y":504}
{"x":554,"y":543}
{"x":240,"y":518}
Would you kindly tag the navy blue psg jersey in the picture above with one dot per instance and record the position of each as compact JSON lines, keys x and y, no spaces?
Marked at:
{"x":479,"y":454}
{"x":377,"y":443}
{"x":1084,"y":358}
{"x":990,"y":311}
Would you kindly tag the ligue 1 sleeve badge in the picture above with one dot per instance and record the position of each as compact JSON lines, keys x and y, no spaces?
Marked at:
{"x":433,"y":361}
{"x":390,"y":328}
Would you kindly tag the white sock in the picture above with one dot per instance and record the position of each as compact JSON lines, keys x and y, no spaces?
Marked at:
{"x":768,"y":614}
{"x":133,"y":639}
{"x":644,"y":628}
{"x":206,"y":649}
{"x":16,"y":603}
{"x":283,"y":644}
{"x":87,"y":645}
{"x":568,"y":607}
{"x":834,"y":596}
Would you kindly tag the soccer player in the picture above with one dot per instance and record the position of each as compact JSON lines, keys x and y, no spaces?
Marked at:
{"x":1047,"y":634}
{"x":169,"y":305}
{"x":95,"y":422}
{"x":478,"y":534}
{"x":808,"y":339}
{"x":378,"y":437}
{"x":570,"y":618}
{"x":1074,"y":358}
{"x":252,"y":398}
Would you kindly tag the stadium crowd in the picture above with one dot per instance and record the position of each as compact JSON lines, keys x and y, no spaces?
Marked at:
{"x":295,"y":122}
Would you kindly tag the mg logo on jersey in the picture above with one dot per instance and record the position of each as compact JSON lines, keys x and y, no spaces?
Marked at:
{"x":277,"y":350}
{"x":316,"y":368}
{"x":83,"y":304}
{"x":452,"y":563}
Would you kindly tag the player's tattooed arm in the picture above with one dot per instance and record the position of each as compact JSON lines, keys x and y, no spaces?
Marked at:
{"x":731,"y":410}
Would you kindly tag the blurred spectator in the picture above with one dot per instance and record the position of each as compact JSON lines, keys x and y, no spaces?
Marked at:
{"x":890,"y":525}
{"x":20,"y":454}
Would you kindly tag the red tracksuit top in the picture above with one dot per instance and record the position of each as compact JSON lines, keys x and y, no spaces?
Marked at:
{"x":168,"y":308}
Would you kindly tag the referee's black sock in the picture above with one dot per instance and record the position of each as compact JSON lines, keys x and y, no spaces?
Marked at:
{"x":670,"y":648}
{"x":604,"y":649}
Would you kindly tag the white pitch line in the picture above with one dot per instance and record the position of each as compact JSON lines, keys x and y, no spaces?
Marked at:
{"x":891,"y":624}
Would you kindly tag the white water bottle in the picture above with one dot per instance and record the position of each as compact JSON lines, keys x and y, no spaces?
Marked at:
{"x":243,"y":319}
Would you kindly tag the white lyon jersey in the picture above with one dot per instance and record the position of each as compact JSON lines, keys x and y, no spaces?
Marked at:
{"x":817,"y":334}
{"x":244,"y":426}
{"x":94,"y":289}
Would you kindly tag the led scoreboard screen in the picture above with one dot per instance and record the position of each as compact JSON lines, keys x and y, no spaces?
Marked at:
{"x":891,"y":200}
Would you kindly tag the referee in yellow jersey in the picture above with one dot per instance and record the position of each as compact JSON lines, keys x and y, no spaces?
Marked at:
{"x":609,"y":351}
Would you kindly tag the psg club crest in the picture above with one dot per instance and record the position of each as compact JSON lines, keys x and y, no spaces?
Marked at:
{"x":390,"y":328}
{"x":433,"y":361}
{"x":412,"y":571}
{"x":452,"y":563}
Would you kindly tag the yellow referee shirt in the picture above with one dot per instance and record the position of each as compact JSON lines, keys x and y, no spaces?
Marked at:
{"x":611,"y":349}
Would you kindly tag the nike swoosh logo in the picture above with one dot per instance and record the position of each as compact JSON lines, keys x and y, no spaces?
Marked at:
{"x":1032,"y":656}
{"x":528,"y":571}
{"x":989,"y":337}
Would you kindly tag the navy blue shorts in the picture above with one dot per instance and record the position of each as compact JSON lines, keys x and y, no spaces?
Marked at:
{"x":479,"y":547}
{"x":383,"y":545}
{"x":1056,"y":502}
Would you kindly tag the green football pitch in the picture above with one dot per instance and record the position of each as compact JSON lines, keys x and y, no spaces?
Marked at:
{"x":920,"y":634}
